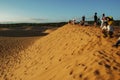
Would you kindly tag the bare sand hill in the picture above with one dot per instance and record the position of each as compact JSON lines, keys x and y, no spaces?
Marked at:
{"x":70,"y":53}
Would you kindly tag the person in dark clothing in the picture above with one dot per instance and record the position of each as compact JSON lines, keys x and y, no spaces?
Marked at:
{"x":117,"y":43}
{"x":98,"y":21}
{"x":95,"y":19}
{"x":83,"y":20}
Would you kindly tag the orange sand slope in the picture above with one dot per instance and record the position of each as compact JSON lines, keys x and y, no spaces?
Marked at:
{"x":70,"y":53}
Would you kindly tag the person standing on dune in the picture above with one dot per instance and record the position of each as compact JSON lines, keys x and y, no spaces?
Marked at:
{"x":103,"y":20}
{"x":95,"y":19}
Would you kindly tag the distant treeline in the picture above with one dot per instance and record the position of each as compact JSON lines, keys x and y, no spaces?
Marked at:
{"x":33,"y":24}
{"x":116,"y":23}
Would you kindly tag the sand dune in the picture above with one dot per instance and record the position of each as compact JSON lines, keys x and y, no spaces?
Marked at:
{"x":70,"y":53}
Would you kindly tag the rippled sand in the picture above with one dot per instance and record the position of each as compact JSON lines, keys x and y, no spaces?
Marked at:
{"x":71,"y":52}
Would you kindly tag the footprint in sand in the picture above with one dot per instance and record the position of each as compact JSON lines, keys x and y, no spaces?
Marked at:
{"x":85,"y":68}
{"x":80,"y":75}
{"x":107,"y":66}
{"x":96,"y":72}
{"x":60,"y":59}
{"x":86,"y":78}
{"x":46,"y":68}
{"x":51,"y":57}
{"x":118,"y":53}
{"x":100,"y":63}
{"x":115,"y":68}
{"x":71,"y":72}
{"x":107,"y":60}
{"x":68,"y":67}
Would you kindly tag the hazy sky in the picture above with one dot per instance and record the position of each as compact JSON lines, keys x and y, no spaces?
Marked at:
{"x":55,"y":10}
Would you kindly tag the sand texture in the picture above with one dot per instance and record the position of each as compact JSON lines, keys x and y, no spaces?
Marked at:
{"x":71,"y":52}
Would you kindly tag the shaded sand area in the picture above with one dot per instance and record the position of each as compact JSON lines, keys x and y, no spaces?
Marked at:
{"x":26,"y":31}
{"x":71,"y":52}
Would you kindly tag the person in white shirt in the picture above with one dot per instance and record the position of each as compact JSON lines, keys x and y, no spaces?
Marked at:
{"x":104,"y":29}
{"x":103,"y":20}
{"x":73,"y":21}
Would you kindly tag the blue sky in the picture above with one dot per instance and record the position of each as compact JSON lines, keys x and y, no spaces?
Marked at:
{"x":55,"y":10}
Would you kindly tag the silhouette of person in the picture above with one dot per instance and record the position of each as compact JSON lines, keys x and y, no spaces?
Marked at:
{"x":95,"y":19}
{"x":83,"y":20}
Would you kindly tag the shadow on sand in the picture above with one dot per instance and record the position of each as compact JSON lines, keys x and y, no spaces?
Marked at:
{"x":22,"y":32}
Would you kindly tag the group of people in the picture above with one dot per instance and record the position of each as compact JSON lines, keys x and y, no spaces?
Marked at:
{"x":72,"y":21}
{"x":106,"y":26}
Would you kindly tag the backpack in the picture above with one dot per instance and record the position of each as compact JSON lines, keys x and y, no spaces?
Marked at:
{"x":110,"y":18}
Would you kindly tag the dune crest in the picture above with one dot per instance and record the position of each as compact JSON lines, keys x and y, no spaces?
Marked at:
{"x":70,"y":53}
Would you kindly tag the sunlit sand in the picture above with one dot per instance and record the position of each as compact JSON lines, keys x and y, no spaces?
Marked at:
{"x":71,"y":52}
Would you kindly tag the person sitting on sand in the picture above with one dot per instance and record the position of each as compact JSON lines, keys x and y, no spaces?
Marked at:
{"x":70,"y":22}
{"x":104,"y":29}
{"x":98,"y":21}
{"x":110,"y":30}
{"x":109,"y":27}
{"x":117,"y":43}
{"x":73,"y":21}
{"x":83,"y":21}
